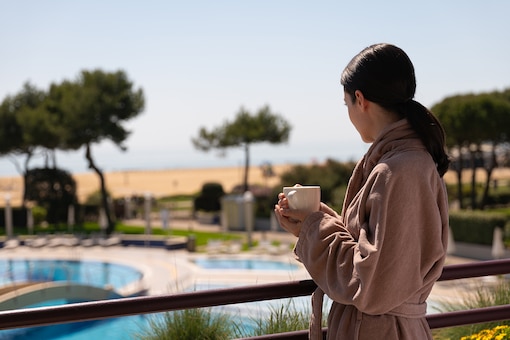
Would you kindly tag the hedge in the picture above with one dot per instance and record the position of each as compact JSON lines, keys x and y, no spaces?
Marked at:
{"x":476,"y":226}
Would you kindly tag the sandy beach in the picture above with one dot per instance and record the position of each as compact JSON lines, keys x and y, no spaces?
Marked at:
{"x":156,"y":182}
{"x":184,"y":181}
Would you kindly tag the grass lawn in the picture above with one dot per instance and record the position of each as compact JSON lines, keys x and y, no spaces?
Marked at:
{"x":201,"y":237}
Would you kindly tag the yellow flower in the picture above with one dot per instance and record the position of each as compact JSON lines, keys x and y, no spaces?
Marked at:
{"x":497,"y":333}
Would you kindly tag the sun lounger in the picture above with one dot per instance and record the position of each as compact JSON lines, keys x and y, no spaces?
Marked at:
{"x":37,"y":242}
{"x":88,"y":242}
{"x":214,"y":246}
{"x":11,"y":244}
{"x":110,"y":241}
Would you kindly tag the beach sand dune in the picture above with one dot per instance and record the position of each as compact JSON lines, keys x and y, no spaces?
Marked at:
{"x":156,"y":182}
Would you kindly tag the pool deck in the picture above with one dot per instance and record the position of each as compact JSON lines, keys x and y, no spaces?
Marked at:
{"x":170,"y":271}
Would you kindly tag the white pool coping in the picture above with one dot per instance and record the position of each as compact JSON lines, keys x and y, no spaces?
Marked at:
{"x":167,"y":271}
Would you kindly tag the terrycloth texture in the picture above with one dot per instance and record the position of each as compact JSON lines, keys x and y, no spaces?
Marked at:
{"x":316,"y":317}
{"x":379,"y":260}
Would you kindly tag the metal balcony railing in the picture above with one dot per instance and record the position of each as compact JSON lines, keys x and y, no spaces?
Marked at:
{"x":218,"y":297}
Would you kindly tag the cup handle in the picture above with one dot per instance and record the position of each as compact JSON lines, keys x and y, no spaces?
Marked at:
{"x":290,"y":195}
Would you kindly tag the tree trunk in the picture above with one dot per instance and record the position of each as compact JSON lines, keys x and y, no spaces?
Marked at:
{"x":246,"y":166}
{"x":25,"y":190}
{"x":460,"y":196}
{"x":25,"y":174}
{"x":473,"y":180}
{"x":104,"y":196}
{"x":489,"y":169}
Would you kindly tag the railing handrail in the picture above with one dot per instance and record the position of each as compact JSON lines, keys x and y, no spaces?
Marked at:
{"x":217,"y":297}
{"x":94,"y":310}
{"x":475,"y":269}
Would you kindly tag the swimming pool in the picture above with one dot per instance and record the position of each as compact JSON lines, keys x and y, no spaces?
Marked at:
{"x":125,"y":328}
{"x":93,"y":273}
{"x":244,"y":264}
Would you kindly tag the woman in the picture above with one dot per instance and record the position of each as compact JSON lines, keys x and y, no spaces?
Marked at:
{"x":379,"y":259}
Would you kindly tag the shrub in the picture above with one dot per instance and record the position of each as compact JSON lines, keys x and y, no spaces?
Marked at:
{"x":51,"y":188}
{"x":500,"y":197}
{"x":39,"y":214}
{"x":483,"y":296}
{"x":476,"y":226}
{"x":95,"y":198}
{"x":189,"y":324}
{"x":285,"y":318}
{"x":264,"y":198}
{"x":209,"y":198}
{"x":332,"y":176}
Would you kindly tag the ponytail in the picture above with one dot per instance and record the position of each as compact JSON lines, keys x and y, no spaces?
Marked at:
{"x":430,"y":131}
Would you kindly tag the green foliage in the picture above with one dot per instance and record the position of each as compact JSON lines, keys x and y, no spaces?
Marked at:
{"x":175,"y":198}
{"x":332,"y":176}
{"x":209,"y":324}
{"x":483,"y":296}
{"x":94,"y":106}
{"x":473,"y":118}
{"x":25,"y":124}
{"x":476,"y":226}
{"x":94,"y":198}
{"x":209,"y":198}
{"x":499,"y":196}
{"x":39,"y":214}
{"x":190,"y":324}
{"x":201,"y":237}
{"x":264,"y":126}
{"x":243,"y":131}
{"x":470,"y":121}
{"x":71,"y":115}
{"x":264,"y":198}
{"x":285,"y":318}
{"x":264,"y":206}
{"x":53,"y":189}
{"x":92,"y":109}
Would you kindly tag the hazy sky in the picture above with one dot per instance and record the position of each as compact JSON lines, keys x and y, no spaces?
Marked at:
{"x":198,"y":62}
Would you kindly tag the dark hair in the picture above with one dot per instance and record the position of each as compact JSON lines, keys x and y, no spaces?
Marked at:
{"x":385,"y":75}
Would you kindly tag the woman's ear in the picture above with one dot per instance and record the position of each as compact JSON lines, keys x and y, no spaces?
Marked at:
{"x":360,"y":100}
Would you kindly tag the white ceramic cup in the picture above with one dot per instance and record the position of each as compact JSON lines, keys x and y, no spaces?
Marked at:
{"x":305,"y":198}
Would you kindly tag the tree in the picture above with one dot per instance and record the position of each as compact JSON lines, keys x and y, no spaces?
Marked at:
{"x":27,"y":128}
{"x":243,"y":131}
{"x":471,"y":122}
{"x":91,"y":110}
{"x":19,"y":135}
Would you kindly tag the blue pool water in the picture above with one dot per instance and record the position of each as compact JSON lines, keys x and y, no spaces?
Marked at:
{"x":244,"y":264}
{"x":92,"y":273}
{"x":112,"y":329}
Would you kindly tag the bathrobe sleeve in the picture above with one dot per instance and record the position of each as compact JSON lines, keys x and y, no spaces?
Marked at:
{"x":388,"y":246}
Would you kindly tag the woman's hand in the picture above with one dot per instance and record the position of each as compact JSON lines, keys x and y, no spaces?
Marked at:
{"x":290,"y":220}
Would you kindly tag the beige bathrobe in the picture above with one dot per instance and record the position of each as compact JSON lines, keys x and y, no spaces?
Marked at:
{"x":379,"y":260}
